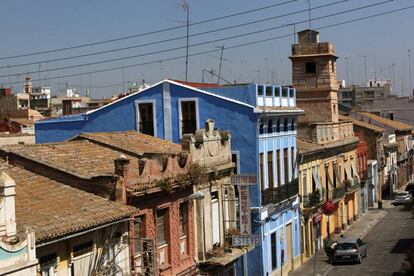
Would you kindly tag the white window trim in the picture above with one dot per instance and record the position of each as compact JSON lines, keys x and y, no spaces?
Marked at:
{"x":180,"y":117}
{"x":154,"y":113}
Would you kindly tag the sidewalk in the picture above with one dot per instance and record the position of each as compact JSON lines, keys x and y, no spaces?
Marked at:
{"x":360,"y":228}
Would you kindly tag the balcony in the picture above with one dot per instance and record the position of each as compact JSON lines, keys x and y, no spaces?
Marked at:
{"x":351,"y":186}
{"x":338,"y":193}
{"x":281,"y":193}
{"x":329,"y":132}
{"x":311,"y":200}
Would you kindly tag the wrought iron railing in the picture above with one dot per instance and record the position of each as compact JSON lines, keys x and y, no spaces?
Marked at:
{"x":281,"y":193}
{"x":311,"y":200}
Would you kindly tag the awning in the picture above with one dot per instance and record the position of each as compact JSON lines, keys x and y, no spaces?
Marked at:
{"x":317,"y":179}
{"x":348,"y":171}
{"x":355,"y":171}
{"x":337,"y":174}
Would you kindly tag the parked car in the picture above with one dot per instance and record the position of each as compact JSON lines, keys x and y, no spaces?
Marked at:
{"x":403,"y":198}
{"x":410,"y":188}
{"x":350,"y":250}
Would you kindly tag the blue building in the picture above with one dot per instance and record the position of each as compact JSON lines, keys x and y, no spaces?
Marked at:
{"x":262,"y":120}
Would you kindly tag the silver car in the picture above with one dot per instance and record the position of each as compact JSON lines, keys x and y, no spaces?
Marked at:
{"x":403,"y":198}
{"x":350,"y":250}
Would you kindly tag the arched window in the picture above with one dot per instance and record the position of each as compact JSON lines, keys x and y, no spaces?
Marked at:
{"x":261,"y":127}
{"x":292,"y":125}
{"x":278,"y":126}
{"x":285,"y":125}
{"x":270,"y":126}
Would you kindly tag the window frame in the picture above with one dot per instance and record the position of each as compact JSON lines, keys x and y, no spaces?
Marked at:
{"x":165,"y":227}
{"x":180,"y":114}
{"x":307,"y":64}
{"x":154,"y":114}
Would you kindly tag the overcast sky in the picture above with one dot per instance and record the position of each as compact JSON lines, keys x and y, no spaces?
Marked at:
{"x":33,"y":26}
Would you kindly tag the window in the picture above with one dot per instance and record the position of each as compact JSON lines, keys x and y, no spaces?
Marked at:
{"x":183,"y":218}
{"x":327,"y":181}
{"x":138,"y":234}
{"x":161,"y":229}
{"x":285,"y":125}
{"x":269,"y":91}
{"x":261,"y":127}
{"x":286,"y":164}
{"x":215,"y":218}
{"x":270,"y":126}
{"x":146,"y":118}
{"x":48,"y":265}
{"x":293,"y":159}
{"x":273,"y":250}
{"x":291,"y":93}
{"x":292,"y":125}
{"x":304,"y":183}
{"x":278,"y":126}
{"x":270,"y":169}
{"x":261,"y":171}
{"x":310,"y":67}
{"x":284,"y":92}
{"x":278,"y":164}
{"x":82,"y":258}
{"x":188,"y":117}
{"x":333,"y":66}
{"x":260,"y":90}
{"x":234,"y":159}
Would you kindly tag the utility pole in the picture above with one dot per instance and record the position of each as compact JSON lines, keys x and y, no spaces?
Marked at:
{"x":365,"y":67}
{"x":187,"y":9}
{"x":221,"y":59}
{"x":409,"y":73}
{"x":347,"y":69}
{"x":309,"y":13}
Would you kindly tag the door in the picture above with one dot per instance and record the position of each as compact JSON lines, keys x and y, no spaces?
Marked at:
{"x":289,"y":247}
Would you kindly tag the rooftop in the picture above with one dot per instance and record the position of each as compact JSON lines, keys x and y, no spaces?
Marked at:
{"x":54,"y":210}
{"x":384,"y":121}
{"x":81,"y":158}
{"x":132,"y":142}
{"x":362,"y":123}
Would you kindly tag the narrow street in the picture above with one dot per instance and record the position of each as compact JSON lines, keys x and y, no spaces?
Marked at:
{"x":387,"y":242}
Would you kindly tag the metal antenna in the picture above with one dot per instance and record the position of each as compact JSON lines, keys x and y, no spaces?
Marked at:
{"x":186,"y":7}
{"x":221,"y":59}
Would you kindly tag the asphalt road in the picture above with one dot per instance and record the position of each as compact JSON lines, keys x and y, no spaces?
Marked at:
{"x":387,"y":242}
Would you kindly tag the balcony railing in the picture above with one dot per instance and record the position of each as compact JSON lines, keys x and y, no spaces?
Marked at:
{"x":338,"y":192}
{"x":311,"y":200}
{"x":352,"y":186}
{"x":281,"y":193}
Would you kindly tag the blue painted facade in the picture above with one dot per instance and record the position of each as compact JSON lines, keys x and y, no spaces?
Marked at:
{"x":262,"y":121}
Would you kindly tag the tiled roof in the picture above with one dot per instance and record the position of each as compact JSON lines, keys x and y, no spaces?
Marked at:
{"x":81,"y":158}
{"x":306,"y":146}
{"x":390,"y":123}
{"x":362,"y":123}
{"x":132,"y":142}
{"x":54,"y":210}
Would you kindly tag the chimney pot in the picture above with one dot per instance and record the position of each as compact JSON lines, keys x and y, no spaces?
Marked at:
{"x":121,"y":165}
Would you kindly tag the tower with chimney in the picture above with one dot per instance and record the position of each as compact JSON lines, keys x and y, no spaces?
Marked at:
{"x":314,"y":77}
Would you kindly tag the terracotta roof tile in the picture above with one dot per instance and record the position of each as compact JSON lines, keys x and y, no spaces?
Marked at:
{"x":81,"y":158}
{"x":54,"y":210}
{"x":133,"y":142}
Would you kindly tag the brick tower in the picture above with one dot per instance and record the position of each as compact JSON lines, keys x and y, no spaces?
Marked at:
{"x":314,"y":77}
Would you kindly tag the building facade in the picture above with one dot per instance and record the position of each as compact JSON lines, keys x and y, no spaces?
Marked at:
{"x":328,"y":142}
{"x":170,"y":109}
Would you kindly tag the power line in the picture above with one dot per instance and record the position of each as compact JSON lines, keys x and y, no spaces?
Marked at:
{"x":171,"y":39}
{"x":228,"y":47}
{"x":148,"y":33}
{"x":196,"y":44}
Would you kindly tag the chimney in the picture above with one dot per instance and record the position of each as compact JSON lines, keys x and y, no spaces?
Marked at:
{"x":7,"y":207}
{"x":121,"y":165}
{"x":121,"y":169}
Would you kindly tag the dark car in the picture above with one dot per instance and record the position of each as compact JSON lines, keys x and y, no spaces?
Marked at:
{"x":410,"y":188}
{"x":350,"y":250}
